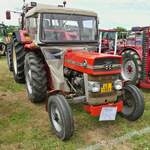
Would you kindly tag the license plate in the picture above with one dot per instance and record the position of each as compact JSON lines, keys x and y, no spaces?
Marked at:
{"x":108,"y":114}
{"x":106,"y":88}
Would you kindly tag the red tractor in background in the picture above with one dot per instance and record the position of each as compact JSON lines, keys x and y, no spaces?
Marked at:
{"x":134,"y":47}
{"x":111,"y":41}
{"x":136,"y":57}
{"x":55,"y":55}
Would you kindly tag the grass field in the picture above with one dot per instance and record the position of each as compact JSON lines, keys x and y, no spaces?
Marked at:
{"x":24,"y":125}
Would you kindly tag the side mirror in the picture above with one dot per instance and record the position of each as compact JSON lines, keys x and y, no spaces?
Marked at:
{"x":8,"y":15}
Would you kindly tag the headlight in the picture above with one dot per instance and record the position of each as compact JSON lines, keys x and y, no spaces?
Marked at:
{"x":93,"y":86}
{"x":118,"y":84}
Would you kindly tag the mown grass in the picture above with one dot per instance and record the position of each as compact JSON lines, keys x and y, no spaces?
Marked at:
{"x":24,"y":125}
{"x":6,"y":79}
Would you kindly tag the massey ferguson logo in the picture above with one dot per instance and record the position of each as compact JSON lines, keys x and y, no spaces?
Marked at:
{"x":108,"y":66}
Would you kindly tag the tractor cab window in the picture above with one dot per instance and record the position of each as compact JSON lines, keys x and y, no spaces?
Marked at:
{"x":135,"y":39}
{"x":64,"y":28}
{"x":31,"y":26}
{"x":108,"y":40}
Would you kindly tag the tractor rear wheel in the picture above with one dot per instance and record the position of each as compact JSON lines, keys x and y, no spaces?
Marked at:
{"x":36,"y":78}
{"x":132,"y":67}
{"x":60,"y":116}
{"x":133,"y":103}
{"x":9,"y":57}
{"x":18,"y":56}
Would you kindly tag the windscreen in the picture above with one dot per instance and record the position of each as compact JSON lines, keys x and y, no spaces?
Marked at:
{"x":68,"y":28}
{"x":108,"y":35}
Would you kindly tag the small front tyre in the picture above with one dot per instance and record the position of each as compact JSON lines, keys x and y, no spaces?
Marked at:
{"x":60,"y":116}
{"x":133,"y":103}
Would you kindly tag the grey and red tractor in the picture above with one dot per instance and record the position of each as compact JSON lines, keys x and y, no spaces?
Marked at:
{"x":55,"y":55}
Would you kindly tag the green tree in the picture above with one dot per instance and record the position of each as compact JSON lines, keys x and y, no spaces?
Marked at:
{"x":11,"y":28}
{"x":122,"y":32}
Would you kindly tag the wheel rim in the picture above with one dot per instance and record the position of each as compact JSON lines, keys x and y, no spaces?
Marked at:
{"x":3,"y":48}
{"x":129,"y":70}
{"x":56,"y":118}
{"x":14,"y":60}
{"x":28,"y":81}
{"x":128,"y":104}
{"x":2,"y":51}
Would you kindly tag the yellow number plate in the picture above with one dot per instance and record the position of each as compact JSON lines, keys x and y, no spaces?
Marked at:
{"x":106,"y":87}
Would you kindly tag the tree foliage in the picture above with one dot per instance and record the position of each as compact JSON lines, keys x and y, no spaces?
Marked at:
{"x":120,"y":29}
{"x":122,"y":32}
{"x":11,"y":28}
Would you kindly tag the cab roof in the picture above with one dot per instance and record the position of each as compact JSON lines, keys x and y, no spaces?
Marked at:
{"x":42,"y":8}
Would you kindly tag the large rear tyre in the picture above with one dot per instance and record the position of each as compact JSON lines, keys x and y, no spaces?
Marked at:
{"x":36,"y":78}
{"x":18,"y":56}
{"x":9,"y":57}
{"x":60,"y":116}
{"x":132,"y":67}
{"x":133,"y":103}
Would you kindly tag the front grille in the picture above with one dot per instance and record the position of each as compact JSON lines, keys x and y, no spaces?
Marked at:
{"x":102,"y":61}
{"x":107,"y":64}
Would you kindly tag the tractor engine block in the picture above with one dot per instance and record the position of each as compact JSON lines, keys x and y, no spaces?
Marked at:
{"x":75,"y":81}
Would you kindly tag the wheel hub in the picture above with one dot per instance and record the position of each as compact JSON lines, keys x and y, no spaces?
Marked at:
{"x":56,"y":119}
{"x":129,"y":104}
{"x":129,"y":70}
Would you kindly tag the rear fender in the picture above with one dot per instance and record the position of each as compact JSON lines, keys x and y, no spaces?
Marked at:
{"x":139,"y":52}
{"x":22,"y":36}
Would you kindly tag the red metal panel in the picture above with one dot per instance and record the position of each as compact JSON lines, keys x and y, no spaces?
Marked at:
{"x":79,"y":56}
{"x":96,"y":110}
{"x":25,"y":38}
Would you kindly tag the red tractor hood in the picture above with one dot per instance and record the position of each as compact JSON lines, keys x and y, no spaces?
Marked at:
{"x":92,"y":62}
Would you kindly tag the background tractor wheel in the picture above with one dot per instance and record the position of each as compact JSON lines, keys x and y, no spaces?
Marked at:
{"x":18,"y":56}
{"x":9,"y":57}
{"x":60,"y":116}
{"x":36,"y":78}
{"x":133,"y":103}
{"x":132,"y":67}
{"x":2,"y":49}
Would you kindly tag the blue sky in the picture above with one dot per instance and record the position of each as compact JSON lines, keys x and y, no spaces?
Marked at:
{"x":112,"y":13}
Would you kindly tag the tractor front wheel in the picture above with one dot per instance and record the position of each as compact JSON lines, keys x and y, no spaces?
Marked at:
{"x":60,"y":116}
{"x":133,"y":103}
{"x":132,"y":67}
